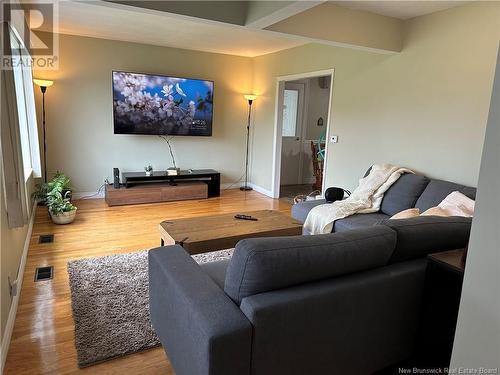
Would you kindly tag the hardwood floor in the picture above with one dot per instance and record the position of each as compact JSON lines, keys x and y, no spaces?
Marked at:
{"x":43,"y":339}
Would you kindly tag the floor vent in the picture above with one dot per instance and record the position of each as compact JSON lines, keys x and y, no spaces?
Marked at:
{"x":46,"y":238}
{"x":44,"y":273}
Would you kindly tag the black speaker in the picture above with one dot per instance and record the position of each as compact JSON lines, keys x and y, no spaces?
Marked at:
{"x":335,"y":194}
{"x":116,"y":178}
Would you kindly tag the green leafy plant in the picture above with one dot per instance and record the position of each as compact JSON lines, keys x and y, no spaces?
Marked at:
{"x":148,"y":168}
{"x":55,"y":194}
{"x":58,"y":203}
{"x":61,"y":181}
{"x":40,"y":193}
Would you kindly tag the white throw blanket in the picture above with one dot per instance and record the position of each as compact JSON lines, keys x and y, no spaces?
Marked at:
{"x":365,"y":199}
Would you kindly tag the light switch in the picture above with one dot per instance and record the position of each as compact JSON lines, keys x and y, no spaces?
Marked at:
{"x":334,"y":139}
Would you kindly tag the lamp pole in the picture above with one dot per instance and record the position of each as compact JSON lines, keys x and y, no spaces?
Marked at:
{"x":43,"y":84}
{"x":250,"y":99}
{"x":44,"y":89}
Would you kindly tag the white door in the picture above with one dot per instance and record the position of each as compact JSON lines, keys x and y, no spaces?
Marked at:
{"x":291,"y":142}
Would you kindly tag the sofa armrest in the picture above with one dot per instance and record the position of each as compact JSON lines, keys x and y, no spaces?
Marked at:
{"x":200,"y":327}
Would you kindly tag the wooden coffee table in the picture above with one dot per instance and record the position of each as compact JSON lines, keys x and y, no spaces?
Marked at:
{"x":218,"y":232}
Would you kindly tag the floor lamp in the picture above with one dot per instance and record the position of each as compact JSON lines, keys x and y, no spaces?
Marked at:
{"x":43,"y":83}
{"x":250,"y":99}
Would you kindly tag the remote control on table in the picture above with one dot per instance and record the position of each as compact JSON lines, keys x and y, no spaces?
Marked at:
{"x":245,"y":217}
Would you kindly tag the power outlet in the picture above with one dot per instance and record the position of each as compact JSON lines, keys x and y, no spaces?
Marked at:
{"x":334,"y":139}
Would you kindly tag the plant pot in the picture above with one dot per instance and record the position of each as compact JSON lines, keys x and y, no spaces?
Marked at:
{"x":64,"y":218}
{"x":148,"y":173}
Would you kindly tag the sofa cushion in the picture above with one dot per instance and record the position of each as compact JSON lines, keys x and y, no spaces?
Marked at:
{"x":419,"y":236}
{"x":403,"y":194}
{"x":300,"y":210}
{"x":437,"y":190}
{"x":359,"y":221}
{"x":264,"y":264}
{"x":216,"y":270}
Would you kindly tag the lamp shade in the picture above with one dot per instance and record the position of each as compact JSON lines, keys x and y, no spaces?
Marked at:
{"x":250,"y":96}
{"x":43,"y":82}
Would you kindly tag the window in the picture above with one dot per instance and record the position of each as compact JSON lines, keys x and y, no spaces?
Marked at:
{"x":290,"y":107}
{"x":25,"y":99}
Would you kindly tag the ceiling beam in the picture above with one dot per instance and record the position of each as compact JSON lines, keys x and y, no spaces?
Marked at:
{"x":261,"y":14}
{"x":332,"y":24}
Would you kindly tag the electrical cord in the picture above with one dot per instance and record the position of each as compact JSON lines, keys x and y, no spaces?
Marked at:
{"x":96,"y":193}
{"x":303,"y":197}
{"x":234,"y":183}
{"x":167,"y":140}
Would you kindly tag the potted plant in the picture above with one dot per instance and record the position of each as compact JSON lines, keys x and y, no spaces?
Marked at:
{"x":40,"y":193}
{"x":64,"y":182}
{"x":148,"y":169}
{"x":61,"y":210}
{"x":60,"y":182}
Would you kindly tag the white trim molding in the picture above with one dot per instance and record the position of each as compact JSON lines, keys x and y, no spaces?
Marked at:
{"x":261,"y":190}
{"x":9,"y":327}
{"x":256,"y":188}
{"x":226,"y":186}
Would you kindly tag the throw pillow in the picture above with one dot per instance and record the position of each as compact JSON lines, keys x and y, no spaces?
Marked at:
{"x":435,"y":211}
{"x":458,"y":204}
{"x":406,"y":214}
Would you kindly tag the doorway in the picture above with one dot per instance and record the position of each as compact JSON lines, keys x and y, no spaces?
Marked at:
{"x":301,"y":132}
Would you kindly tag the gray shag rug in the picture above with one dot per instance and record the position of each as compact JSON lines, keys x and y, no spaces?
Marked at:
{"x":110,"y":301}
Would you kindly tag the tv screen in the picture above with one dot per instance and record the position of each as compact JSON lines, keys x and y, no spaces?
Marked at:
{"x":161,"y":105}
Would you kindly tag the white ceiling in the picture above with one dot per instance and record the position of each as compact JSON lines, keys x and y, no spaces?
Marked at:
{"x":400,"y":9}
{"x":119,"y":22}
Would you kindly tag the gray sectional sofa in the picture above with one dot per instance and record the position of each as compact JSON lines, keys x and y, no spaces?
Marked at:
{"x":347,"y":302}
{"x":410,"y":190}
{"x":339,"y":303}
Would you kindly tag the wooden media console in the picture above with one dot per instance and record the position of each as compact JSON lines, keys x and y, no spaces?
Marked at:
{"x":139,"y":188}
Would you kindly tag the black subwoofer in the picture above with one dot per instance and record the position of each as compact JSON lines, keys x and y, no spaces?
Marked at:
{"x":116,"y":178}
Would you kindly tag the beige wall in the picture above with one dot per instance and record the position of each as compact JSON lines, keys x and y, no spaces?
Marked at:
{"x":11,"y":250}
{"x":79,"y":111}
{"x":424,"y":108}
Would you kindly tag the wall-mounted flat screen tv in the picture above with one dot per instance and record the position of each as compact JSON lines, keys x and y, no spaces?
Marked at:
{"x":161,"y":105}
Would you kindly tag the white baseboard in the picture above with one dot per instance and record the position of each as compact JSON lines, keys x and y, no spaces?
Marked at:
{"x":257,"y":188}
{"x":261,"y":190}
{"x":9,"y":327}
{"x":87,"y":195}
{"x":94,"y":195}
